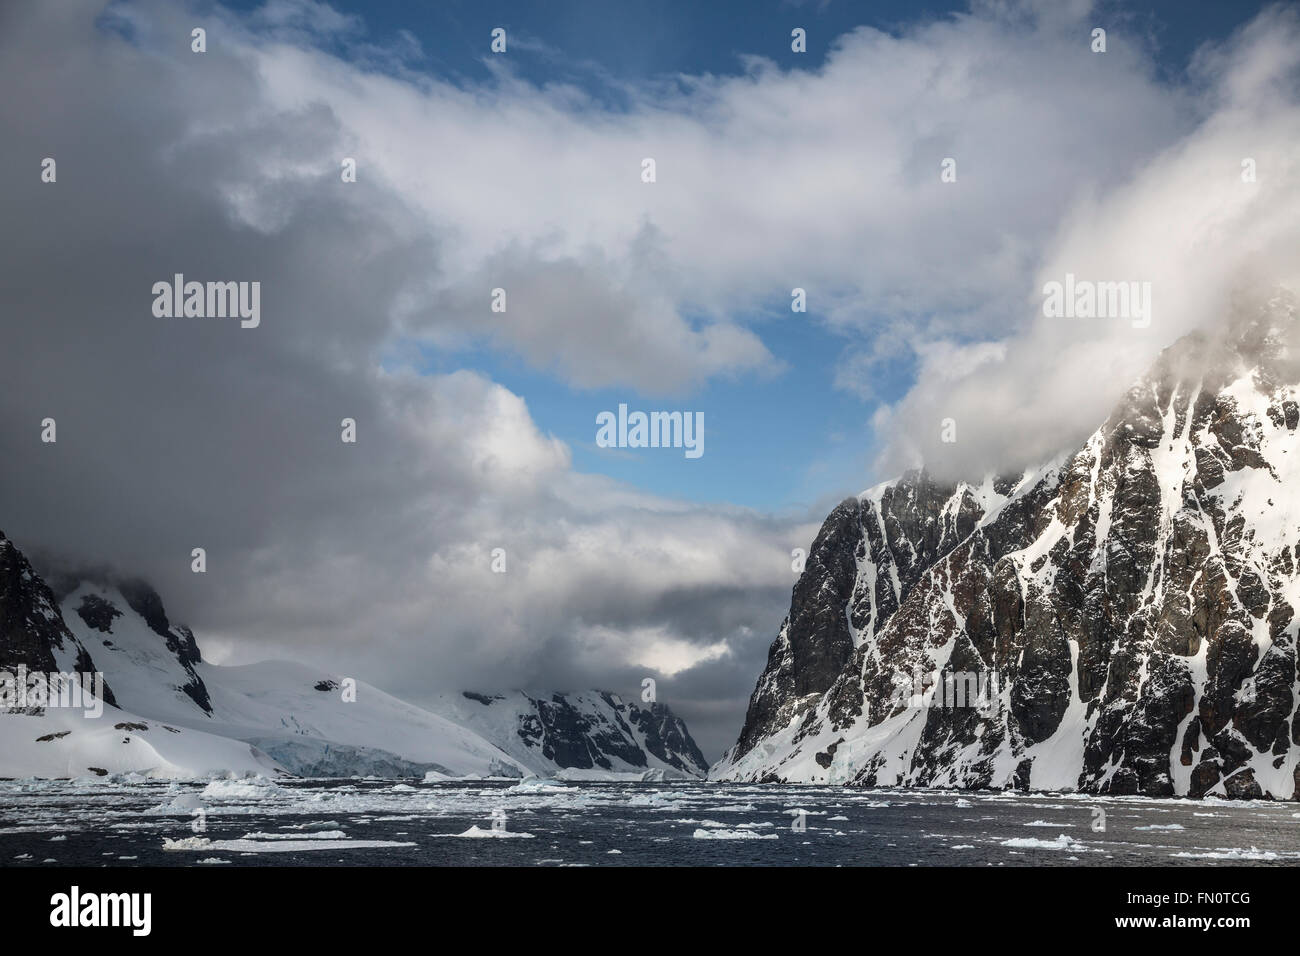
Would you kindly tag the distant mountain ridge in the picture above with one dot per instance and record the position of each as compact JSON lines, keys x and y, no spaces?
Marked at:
{"x":588,"y":730}
{"x":173,"y":714}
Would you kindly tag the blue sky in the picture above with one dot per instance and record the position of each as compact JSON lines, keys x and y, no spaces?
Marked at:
{"x":631,"y":41}
{"x":772,"y":442}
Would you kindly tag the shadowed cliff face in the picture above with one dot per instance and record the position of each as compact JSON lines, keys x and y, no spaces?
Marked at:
{"x":594,"y":730}
{"x":32,"y":631}
{"x":1135,"y":600}
{"x":869,"y":554}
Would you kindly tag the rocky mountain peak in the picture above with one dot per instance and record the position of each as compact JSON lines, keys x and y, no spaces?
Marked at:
{"x":32,"y":630}
{"x":1134,"y":600}
{"x":124,"y":617}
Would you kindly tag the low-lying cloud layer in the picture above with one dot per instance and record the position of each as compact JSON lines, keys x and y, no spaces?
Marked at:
{"x":376,"y":557}
{"x":1213,"y":215}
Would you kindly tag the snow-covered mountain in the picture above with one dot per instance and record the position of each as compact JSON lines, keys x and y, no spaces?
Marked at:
{"x":592,"y":730}
{"x":65,"y":742}
{"x":306,"y":720}
{"x":1130,"y":608}
{"x":178,"y":715}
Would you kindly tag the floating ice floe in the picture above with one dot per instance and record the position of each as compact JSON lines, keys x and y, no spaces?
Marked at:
{"x":732,"y":835}
{"x":538,"y":785}
{"x":657,"y":798}
{"x":1236,"y":853}
{"x":311,"y":825}
{"x":254,"y":788}
{"x":275,"y":846}
{"x":476,"y":832}
{"x":181,"y":805}
{"x":1062,"y":842}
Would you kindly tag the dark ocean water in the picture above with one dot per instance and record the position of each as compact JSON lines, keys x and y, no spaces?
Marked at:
{"x":392,"y":822}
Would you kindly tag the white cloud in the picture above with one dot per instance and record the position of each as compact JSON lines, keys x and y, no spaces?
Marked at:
{"x":1185,"y":222}
{"x":826,"y":179}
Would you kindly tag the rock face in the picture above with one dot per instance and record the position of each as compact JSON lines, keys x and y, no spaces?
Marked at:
{"x":664,"y":736}
{"x":1129,"y":609}
{"x":585,"y":730}
{"x":97,"y":607}
{"x":32,"y":631}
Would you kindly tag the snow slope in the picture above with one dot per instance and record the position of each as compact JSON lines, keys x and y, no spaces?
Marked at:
{"x":64,"y":742}
{"x":300,"y":716}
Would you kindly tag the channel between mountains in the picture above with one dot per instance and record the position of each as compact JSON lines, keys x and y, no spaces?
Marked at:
{"x":1135,"y":598}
